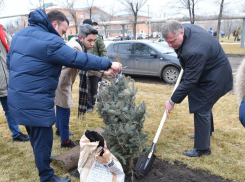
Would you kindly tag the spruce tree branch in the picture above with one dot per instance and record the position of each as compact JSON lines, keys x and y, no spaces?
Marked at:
{"x":139,"y":143}
{"x":120,"y":144}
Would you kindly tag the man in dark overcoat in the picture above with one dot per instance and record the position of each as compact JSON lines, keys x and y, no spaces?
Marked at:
{"x":207,"y":77}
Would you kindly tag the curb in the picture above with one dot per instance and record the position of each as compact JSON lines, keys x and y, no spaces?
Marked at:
{"x":235,"y":55}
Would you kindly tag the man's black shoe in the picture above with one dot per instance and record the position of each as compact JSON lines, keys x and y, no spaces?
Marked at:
{"x":70,"y":144}
{"x":58,"y":133}
{"x":59,"y":179}
{"x":21,"y":138}
{"x":197,"y":153}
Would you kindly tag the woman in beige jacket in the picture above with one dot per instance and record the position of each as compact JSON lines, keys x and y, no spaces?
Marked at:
{"x":63,"y":95}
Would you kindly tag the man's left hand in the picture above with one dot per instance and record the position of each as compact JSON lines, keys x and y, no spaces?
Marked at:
{"x":168,"y":107}
{"x":110,"y":72}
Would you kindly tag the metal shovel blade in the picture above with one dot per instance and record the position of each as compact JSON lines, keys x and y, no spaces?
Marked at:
{"x":143,"y":165}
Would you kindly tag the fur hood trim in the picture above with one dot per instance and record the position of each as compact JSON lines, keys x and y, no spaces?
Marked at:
{"x":240,"y":82}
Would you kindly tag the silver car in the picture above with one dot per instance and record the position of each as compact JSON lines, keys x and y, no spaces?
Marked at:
{"x":146,"y":58}
{"x":117,"y":38}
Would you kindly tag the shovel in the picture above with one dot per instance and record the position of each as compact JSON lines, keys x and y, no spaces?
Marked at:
{"x":145,"y":161}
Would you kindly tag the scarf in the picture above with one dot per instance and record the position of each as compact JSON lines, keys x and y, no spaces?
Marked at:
{"x":83,"y":88}
{"x":3,"y":38}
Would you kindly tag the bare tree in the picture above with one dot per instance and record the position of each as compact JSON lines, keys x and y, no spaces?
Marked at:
{"x":156,"y":27}
{"x":219,"y":18}
{"x":106,"y":16}
{"x":225,"y":7}
{"x":1,"y":4}
{"x":40,"y":5}
{"x":227,"y":27}
{"x":133,"y":6}
{"x":243,"y":7}
{"x":12,"y":27}
{"x":182,"y":5}
{"x":89,"y":5}
{"x":190,"y":5}
{"x":69,"y":5}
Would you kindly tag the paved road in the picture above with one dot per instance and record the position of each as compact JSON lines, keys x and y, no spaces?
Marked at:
{"x":234,"y":60}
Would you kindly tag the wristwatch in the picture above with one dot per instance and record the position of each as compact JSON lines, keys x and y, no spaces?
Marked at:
{"x":171,"y":102}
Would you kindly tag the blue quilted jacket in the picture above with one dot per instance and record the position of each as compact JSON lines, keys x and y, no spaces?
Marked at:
{"x":35,"y":59}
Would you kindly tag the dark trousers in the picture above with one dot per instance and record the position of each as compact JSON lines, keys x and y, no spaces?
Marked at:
{"x":203,"y":129}
{"x":14,"y":128}
{"x":92,"y":90}
{"x":41,"y":141}
{"x":62,"y":122}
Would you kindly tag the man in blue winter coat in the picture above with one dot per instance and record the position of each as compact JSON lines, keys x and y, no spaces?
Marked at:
{"x":207,"y":77}
{"x":35,"y":59}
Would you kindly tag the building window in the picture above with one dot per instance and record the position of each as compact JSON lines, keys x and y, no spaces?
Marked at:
{"x":139,"y":26}
{"x":81,"y":15}
{"x":70,"y":32}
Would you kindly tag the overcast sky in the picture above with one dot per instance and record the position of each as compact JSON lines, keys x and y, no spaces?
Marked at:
{"x":157,"y":8}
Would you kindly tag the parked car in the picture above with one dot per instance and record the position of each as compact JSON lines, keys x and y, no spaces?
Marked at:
{"x":146,"y":58}
{"x":117,"y":38}
{"x":126,"y":37}
{"x":150,"y":36}
{"x":161,"y":40}
{"x":139,"y":36}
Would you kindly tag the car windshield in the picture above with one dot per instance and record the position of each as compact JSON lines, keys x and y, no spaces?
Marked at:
{"x":165,"y":49}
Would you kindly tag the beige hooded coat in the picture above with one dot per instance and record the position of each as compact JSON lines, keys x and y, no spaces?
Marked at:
{"x":63,"y":93}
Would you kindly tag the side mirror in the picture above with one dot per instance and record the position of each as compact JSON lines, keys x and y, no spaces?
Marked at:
{"x":153,"y":54}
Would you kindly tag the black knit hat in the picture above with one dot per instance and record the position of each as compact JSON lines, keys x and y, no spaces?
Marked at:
{"x":88,"y":21}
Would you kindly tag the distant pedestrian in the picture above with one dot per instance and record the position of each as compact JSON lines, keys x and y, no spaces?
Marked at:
{"x":236,"y":35}
{"x":215,"y":34}
{"x":210,"y":31}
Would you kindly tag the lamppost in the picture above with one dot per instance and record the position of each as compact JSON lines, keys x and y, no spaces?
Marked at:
{"x":148,"y":22}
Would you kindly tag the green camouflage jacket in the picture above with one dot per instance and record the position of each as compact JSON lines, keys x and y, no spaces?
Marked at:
{"x":99,"y":49}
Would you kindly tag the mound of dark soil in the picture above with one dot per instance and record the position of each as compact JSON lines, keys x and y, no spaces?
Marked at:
{"x":163,"y":171}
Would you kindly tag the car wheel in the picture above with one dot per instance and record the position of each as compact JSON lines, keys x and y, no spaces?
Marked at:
{"x":170,"y":74}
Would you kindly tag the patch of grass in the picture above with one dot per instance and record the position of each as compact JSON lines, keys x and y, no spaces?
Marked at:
{"x":233,"y":49}
{"x":227,"y":142}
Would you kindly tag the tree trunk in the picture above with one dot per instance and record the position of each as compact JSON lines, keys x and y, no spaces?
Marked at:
{"x":134,"y":27}
{"x":68,"y":160}
{"x":131,"y":164}
{"x":105,"y":27}
{"x":90,"y":13}
{"x":189,"y":8}
{"x":76,"y":24}
{"x":219,"y":18}
{"x":193,"y":12}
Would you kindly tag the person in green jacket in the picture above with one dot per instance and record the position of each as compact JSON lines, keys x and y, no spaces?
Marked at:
{"x":98,"y":49}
